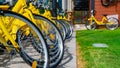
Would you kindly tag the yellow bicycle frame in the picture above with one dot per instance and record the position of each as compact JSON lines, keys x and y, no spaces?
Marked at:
{"x":22,"y":8}
{"x":102,"y":22}
{"x":5,"y":32}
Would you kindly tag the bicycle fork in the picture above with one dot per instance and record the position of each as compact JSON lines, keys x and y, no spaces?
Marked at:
{"x":6,"y":33}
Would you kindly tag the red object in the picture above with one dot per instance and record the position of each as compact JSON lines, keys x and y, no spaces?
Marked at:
{"x":110,"y":10}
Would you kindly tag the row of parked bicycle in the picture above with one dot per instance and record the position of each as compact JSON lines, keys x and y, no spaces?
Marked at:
{"x":24,"y":30}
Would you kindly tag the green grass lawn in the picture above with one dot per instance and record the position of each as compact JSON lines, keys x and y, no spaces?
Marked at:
{"x":99,"y":57}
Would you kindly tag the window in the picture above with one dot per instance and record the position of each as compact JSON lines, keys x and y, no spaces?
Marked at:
{"x":81,"y":5}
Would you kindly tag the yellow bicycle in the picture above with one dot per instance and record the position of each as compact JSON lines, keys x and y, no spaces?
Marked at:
{"x":19,"y":34}
{"x":47,"y":27}
{"x":65,"y":26}
{"x":111,"y":23}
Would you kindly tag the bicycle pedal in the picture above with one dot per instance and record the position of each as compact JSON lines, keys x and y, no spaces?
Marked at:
{"x":51,"y":46}
{"x":34,"y":64}
{"x":52,"y":36}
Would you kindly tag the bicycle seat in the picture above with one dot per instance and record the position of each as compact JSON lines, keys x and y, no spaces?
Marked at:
{"x":4,"y":5}
{"x":104,"y":14}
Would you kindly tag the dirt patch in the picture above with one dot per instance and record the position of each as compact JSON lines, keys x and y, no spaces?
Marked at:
{"x":80,"y":62}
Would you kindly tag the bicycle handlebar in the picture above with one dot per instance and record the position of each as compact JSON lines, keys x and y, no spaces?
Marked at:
{"x":9,"y":2}
{"x":39,"y":3}
{"x":92,"y":12}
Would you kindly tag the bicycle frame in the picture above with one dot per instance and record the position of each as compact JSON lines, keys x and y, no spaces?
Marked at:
{"x":5,"y":32}
{"x":22,"y":8}
{"x":28,"y":10}
{"x":102,"y":22}
{"x":3,"y":41}
{"x":4,"y":7}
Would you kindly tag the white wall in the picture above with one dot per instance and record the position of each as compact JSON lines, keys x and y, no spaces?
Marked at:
{"x":70,"y":6}
{"x":64,"y":5}
{"x":67,"y":5}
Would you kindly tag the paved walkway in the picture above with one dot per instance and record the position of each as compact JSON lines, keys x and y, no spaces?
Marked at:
{"x":69,"y":59}
{"x":80,"y":27}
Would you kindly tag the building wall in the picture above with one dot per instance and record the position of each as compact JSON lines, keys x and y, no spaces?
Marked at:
{"x":64,"y":5}
{"x":110,"y":10}
{"x":67,"y":5}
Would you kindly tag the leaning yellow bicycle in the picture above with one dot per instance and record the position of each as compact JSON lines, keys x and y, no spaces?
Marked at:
{"x":50,"y":32}
{"x":19,"y":34}
{"x":65,"y":26}
{"x":111,"y":23}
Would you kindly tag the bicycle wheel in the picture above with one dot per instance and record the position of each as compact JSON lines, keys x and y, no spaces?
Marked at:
{"x":105,"y":2}
{"x":90,"y":26}
{"x":55,"y":44}
{"x":61,"y":27}
{"x":32,"y":44}
{"x":70,"y":32}
{"x":112,"y":23}
{"x":68,"y":28}
{"x":64,"y":26}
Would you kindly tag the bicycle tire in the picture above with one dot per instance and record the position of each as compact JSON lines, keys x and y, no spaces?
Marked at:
{"x":90,"y":26}
{"x":64,"y":26}
{"x":56,"y":53}
{"x":69,"y":35}
{"x":62,"y":29}
{"x":27,"y":58}
{"x":69,"y":28}
{"x":114,"y":24}
{"x":105,"y":2}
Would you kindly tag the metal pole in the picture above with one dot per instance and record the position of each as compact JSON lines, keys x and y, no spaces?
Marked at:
{"x":60,"y":6}
{"x":69,"y":6}
{"x":92,"y":4}
{"x":54,"y":8}
{"x":64,"y":5}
